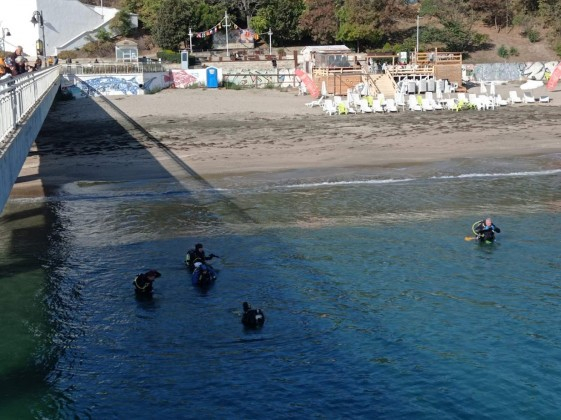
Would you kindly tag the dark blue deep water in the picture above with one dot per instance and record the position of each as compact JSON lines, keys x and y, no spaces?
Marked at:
{"x":376,"y":306}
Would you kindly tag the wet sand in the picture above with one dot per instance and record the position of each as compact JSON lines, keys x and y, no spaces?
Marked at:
{"x":213,"y":133}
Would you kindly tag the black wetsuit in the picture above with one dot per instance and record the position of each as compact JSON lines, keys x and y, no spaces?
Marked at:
{"x":142,"y":284}
{"x":198,"y":256}
{"x":252,"y":318}
{"x":486,"y":233}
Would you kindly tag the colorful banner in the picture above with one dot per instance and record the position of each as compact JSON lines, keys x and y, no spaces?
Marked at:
{"x":311,"y":87}
{"x":554,"y":78}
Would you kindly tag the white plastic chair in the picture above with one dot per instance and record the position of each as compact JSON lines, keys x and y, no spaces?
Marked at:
{"x":528,"y":98}
{"x":391,"y":105}
{"x":426,"y":105}
{"x":500,"y":101}
{"x":413,"y":104}
{"x":317,"y":102}
{"x":329,"y":107}
{"x":514,"y":98}
{"x":363,"y":106}
{"x":377,"y":106}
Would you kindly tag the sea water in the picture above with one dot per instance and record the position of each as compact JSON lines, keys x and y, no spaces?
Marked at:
{"x":376,"y":306}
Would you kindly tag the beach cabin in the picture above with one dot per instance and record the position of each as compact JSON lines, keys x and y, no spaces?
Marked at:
{"x":126,"y":51}
{"x":336,"y":65}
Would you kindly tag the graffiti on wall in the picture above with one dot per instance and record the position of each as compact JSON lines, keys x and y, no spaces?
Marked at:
{"x":110,"y":85}
{"x":536,"y":70}
{"x":184,"y":78}
{"x":83,"y":87}
{"x":259,"y":78}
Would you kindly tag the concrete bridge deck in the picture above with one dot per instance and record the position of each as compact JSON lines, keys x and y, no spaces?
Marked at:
{"x":24,"y":104}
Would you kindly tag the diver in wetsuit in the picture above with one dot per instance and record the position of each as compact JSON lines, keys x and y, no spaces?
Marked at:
{"x":485,"y":230}
{"x":252,"y":318}
{"x":143,"y":282}
{"x":203,"y":276}
{"x":197,"y":255}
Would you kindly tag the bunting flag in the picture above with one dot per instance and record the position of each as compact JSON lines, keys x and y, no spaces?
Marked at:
{"x":218,"y":26}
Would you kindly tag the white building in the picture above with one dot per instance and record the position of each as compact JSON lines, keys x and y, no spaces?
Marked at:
{"x":67,"y":24}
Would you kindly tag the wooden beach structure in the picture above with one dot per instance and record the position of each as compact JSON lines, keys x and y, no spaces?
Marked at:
{"x":339,"y":69}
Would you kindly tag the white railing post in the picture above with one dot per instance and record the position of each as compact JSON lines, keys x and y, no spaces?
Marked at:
{"x":19,"y":95}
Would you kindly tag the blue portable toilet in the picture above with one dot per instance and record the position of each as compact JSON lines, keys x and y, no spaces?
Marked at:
{"x":211,"y":77}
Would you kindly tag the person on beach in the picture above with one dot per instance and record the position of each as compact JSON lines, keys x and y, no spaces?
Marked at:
{"x":143,"y":282}
{"x":197,"y":255}
{"x":485,"y":230}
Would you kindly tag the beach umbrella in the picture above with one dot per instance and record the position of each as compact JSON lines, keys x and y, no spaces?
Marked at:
{"x":482,"y":88}
{"x":531,"y":85}
{"x":492,"y":89}
{"x":324,"y":89}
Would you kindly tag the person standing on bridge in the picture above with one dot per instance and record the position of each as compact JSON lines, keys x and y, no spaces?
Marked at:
{"x":17,"y":61}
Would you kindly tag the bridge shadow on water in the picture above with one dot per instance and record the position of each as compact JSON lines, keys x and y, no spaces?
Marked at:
{"x":81,"y":140}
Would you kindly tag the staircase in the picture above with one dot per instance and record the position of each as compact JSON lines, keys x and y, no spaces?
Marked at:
{"x":380,"y":83}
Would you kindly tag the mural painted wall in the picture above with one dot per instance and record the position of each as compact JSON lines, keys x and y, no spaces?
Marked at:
{"x":182,"y":79}
{"x":260,"y":78}
{"x":83,"y":86}
{"x":536,"y":70}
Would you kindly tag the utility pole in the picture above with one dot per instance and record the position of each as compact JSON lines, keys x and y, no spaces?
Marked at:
{"x":270,"y":33}
{"x":417,"y":48}
{"x":226,"y":25}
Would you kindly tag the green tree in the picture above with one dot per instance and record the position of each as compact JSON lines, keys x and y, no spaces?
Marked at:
{"x":282,"y":16}
{"x":122,"y":24}
{"x":147,"y":11}
{"x":172,"y":24}
{"x":319,"y":20}
{"x":457,"y":19}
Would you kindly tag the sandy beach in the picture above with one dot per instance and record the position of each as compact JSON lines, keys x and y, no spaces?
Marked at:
{"x":219,"y":132}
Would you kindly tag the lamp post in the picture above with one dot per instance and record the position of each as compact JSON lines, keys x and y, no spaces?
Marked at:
{"x":37,"y":18}
{"x":5,"y":33}
{"x":417,"y":48}
{"x":190,"y":41}
{"x":227,"y":26}
{"x":270,"y":33}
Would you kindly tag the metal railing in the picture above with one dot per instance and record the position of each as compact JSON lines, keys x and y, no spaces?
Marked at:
{"x":111,"y":68}
{"x":20,"y":95}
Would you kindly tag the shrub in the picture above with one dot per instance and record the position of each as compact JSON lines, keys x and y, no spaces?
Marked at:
{"x":170,"y":56}
{"x":65,"y":55}
{"x":503,"y":52}
{"x":533,"y":35}
{"x":513,"y":52}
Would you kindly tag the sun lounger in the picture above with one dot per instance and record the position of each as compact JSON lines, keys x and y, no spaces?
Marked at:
{"x":363,"y":106}
{"x":528,"y":98}
{"x":514,"y":98}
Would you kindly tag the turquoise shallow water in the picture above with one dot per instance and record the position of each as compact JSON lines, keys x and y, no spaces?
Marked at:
{"x":376,"y":305}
